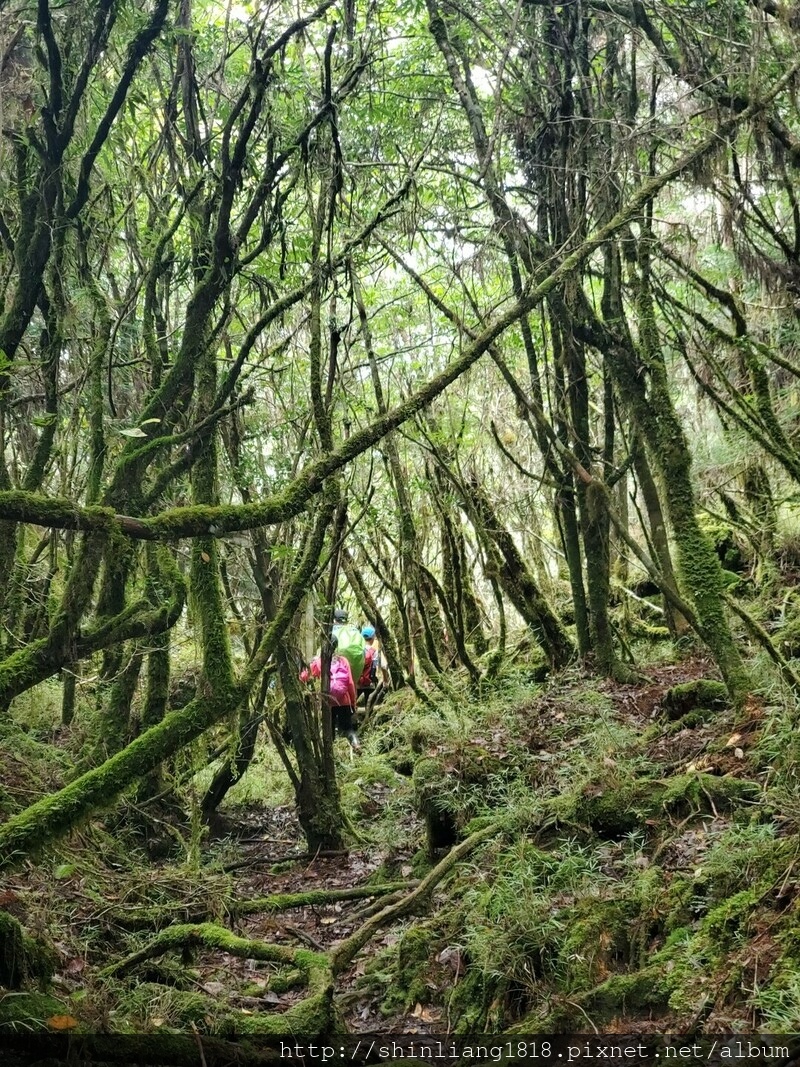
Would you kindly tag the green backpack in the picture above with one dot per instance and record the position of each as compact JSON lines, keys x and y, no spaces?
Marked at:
{"x":351,"y":645}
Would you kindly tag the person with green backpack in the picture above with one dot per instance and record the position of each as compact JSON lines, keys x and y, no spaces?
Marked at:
{"x":350,"y":642}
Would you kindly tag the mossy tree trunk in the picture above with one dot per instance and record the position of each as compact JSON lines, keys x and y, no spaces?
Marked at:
{"x":315,"y":786}
{"x":156,"y":699}
{"x":55,"y":815}
{"x":69,"y":686}
{"x":759,"y":496}
{"x":510,"y":570}
{"x":644,"y":386}
{"x":457,"y":587}
{"x":594,"y":521}
{"x":658,"y":534}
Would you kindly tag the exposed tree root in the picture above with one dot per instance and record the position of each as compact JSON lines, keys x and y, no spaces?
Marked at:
{"x":313,"y":1015}
{"x":345,"y":953}
{"x":209,"y":935}
{"x":638,"y":989}
{"x":156,"y":917}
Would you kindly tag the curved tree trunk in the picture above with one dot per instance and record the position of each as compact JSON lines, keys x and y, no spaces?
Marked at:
{"x":519,"y":584}
{"x":643,"y":384}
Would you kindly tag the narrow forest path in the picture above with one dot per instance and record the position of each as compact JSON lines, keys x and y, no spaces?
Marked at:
{"x":639,"y":874}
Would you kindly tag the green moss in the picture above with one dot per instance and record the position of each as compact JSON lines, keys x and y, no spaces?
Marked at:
{"x":312,"y":1017}
{"x":725,"y":923}
{"x":700,"y":693}
{"x":615,"y":809}
{"x":624,"y":992}
{"x":12,"y":952}
{"x":703,"y":792}
{"x":788,"y":639}
{"x":29,"y":1012}
{"x":647,"y":630}
{"x":468,"y":1002}
{"x":445,"y":794}
{"x":284,"y":980}
{"x":784,"y":972}
{"x":55,"y":815}
{"x":612,"y":812}
{"x":176,"y":1007}
{"x":723,"y":538}
{"x":207,"y":600}
{"x":615,"y":996}
{"x":691,"y":959}
{"x":210,"y":935}
{"x":411,"y":971}
{"x":21,"y":957}
{"x":598,"y":938}
{"x":689,"y":721}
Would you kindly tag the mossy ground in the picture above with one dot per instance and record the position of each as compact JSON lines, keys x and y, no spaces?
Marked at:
{"x":645,"y":877}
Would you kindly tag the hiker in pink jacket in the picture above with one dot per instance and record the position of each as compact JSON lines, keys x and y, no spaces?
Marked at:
{"x":342,"y":693}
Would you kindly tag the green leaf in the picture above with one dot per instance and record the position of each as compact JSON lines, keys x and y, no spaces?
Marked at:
{"x":64,"y":870}
{"x":136,"y":431}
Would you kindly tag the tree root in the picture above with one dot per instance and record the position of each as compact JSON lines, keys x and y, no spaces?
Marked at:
{"x":210,"y":936}
{"x":345,"y":953}
{"x":157,"y":917}
{"x":638,"y":989}
{"x":313,"y":1015}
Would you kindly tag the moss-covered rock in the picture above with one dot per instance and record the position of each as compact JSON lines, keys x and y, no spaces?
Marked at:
{"x":410,"y":985}
{"x":445,"y":792}
{"x":617,"y":809}
{"x":22,"y":958}
{"x":700,"y":693}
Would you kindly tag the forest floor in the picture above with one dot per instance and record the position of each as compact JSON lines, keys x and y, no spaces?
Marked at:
{"x":643,"y":876}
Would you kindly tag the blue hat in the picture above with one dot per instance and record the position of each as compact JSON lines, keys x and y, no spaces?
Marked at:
{"x":368,"y":631}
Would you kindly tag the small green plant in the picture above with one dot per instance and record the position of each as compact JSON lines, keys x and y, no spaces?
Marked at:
{"x":780,"y":1007}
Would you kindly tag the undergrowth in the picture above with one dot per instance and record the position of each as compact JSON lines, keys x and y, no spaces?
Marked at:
{"x":644,"y":876}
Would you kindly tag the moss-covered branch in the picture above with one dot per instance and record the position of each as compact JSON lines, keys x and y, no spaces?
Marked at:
{"x":311,"y":1017}
{"x":199,"y":520}
{"x":757,"y":631}
{"x":347,"y":951}
{"x":208,"y":935}
{"x":136,"y":918}
{"x":507,"y":564}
